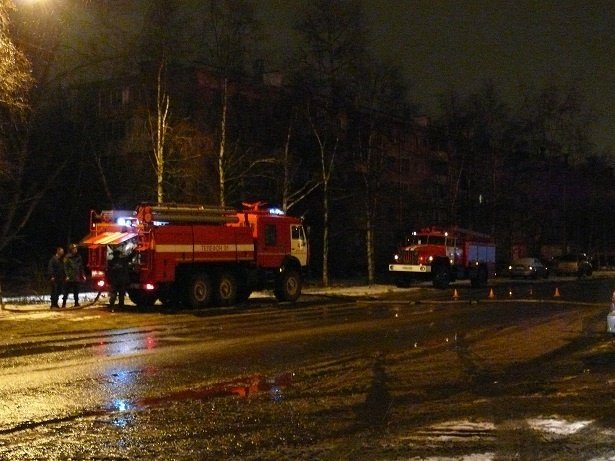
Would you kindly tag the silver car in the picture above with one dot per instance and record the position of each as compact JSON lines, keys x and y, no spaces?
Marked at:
{"x":528,"y":268}
{"x":610,"y":319}
{"x":578,"y":264}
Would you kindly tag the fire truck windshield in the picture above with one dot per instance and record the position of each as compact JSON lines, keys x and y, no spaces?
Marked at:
{"x":426,"y":240}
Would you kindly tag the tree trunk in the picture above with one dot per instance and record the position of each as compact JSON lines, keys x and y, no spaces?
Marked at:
{"x":369,"y":244}
{"x":325,"y":235}
{"x":221,"y":152}
{"x":159,"y":134}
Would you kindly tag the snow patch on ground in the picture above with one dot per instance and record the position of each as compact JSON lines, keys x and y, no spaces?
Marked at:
{"x":557,"y":427}
{"x":610,"y":457}
{"x":38,"y":306}
{"x":470,"y":457}
{"x":29,"y":314}
{"x":351,"y":290}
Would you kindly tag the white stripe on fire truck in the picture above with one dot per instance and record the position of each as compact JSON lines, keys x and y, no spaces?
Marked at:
{"x":219,"y":248}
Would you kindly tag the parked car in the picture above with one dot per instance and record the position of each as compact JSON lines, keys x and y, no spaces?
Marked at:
{"x":578,"y":264}
{"x":610,"y":318}
{"x":528,"y":268}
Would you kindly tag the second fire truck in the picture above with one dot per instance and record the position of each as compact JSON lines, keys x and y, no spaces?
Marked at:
{"x":443,"y":256}
{"x":198,"y":255}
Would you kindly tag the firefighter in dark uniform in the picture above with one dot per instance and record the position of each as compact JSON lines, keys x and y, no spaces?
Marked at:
{"x":75,"y":274}
{"x":57,"y":276}
{"x":118,"y":276}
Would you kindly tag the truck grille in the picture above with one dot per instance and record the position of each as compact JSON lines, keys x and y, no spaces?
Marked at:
{"x":408,"y":257}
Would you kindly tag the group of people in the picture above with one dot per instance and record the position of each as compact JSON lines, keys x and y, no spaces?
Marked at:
{"x":66,"y":273}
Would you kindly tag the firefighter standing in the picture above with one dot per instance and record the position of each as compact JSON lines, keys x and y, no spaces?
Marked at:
{"x":118,"y":276}
{"x":55,"y":271}
{"x":75,"y":274}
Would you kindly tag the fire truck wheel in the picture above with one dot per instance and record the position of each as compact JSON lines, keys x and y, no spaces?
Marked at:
{"x":480,"y":280}
{"x":226,"y":293}
{"x":199,"y":291}
{"x":243,"y":293}
{"x":441,"y":276}
{"x":403,"y":281}
{"x":142,"y":298}
{"x":288,"y":286}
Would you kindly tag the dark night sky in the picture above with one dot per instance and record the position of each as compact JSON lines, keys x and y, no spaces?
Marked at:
{"x":459,"y":43}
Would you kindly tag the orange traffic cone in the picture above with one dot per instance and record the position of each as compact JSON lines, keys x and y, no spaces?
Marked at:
{"x":455,"y":294}
{"x":556,"y":294}
{"x":491,"y":294}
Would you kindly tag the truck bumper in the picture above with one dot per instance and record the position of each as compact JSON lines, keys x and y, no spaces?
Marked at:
{"x":418,"y":269}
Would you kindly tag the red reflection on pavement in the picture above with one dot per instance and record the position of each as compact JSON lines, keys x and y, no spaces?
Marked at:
{"x":241,"y":387}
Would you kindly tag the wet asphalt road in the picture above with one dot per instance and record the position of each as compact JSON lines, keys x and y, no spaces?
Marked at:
{"x":510,"y":372}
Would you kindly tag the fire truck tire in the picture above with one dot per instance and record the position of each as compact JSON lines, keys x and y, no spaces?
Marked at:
{"x":288,"y":286}
{"x":167,"y":296}
{"x":480,"y":280}
{"x":243,"y":295}
{"x":168,"y":300}
{"x":142,"y":298}
{"x":199,"y":290}
{"x":402,"y":281}
{"x":441,"y":276}
{"x":226,"y":289}
{"x":243,"y":291}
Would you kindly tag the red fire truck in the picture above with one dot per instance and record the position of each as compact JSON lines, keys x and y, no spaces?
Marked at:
{"x":198,"y":255}
{"x":444,"y":256}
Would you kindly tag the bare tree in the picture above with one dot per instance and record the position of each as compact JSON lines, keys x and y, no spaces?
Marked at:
{"x":472,"y":130}
{"x":453,"y":131}
{"x":158,"y":128}
{"x":556,"y":123}
{"x":332,"y":34}
{"x":222,"y":160}
{"x":292,"y":195}
{"x":15,"y":71}
{"x":380,"y":104}
{"x":190,"y":146}
{"x":230,"y":29}
{"x":19,"y":196}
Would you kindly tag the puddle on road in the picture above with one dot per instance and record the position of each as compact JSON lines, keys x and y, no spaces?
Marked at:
{"x":123,"y":408}
{"x":240,"y":387}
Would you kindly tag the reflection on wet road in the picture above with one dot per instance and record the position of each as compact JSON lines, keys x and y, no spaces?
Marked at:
{"x":125,"y":342}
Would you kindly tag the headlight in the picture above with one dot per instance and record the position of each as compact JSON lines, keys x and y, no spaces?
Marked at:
{"x":396,"y":257}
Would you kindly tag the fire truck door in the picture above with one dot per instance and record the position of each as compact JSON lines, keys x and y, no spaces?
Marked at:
{"x":298,"y":243}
